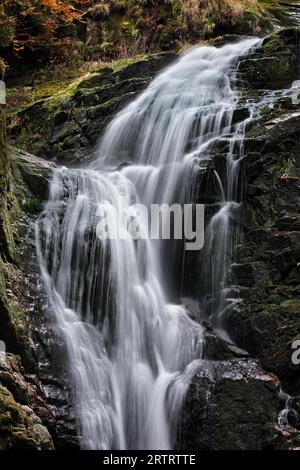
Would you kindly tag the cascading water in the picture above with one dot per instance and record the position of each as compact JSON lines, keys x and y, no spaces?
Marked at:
{"x":132,"y":347}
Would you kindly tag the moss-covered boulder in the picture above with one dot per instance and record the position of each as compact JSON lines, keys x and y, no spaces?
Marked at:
{"x":20,"y":427}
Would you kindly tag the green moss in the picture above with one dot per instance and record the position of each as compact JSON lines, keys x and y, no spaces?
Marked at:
{"x":19,"y":98}
{"x":270,"y":40}
{"x":292,"y":305}
{"x":54,"y":94}
{"x":7,"y":244}
{"x":20,"y":428}
{"x":13,"y":225}
{"x":277,"y":73}
{"x":63,"y":95}
{"x":117,"y":65}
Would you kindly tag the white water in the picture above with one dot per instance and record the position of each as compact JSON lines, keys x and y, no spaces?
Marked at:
{"x":132,"y":347}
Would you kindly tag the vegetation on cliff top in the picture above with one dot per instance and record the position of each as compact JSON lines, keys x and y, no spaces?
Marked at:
{"x":45,"y":45}
{"x":31,"y":23}
{"x":58,"y":30}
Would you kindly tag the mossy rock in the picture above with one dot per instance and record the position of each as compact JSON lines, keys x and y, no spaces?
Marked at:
{"x":28,"y":188}
{"x":20,"y":427}
{"x":7,"y":200}
{"x":268,"y":73}
{"x":100,"y":79}
{"x":66,"y":126}
{"x":275,"y":64}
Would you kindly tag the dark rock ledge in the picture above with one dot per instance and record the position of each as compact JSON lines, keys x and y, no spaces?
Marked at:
{"x":67,"y":126}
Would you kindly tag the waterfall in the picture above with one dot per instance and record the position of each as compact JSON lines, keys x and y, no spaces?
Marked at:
{"x":132,"y":345}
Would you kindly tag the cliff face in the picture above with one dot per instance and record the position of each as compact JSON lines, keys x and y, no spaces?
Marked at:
{"x":6,"y":235}
{"x":231,"y":391}
{"x":267,"y":267}
{"x":23,"y":411}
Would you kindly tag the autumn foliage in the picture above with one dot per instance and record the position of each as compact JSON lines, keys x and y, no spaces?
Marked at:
{"x":65,"y":31}
{"x":32,"y":23}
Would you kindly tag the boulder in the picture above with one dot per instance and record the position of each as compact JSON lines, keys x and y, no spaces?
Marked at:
{"x":227,"y":406}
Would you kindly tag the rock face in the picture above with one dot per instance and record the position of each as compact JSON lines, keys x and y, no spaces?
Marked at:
{"x":67,"y":127}
{"x":7,"y":244}
{"x":28,"y":181}
{"x":51,"y":359}
{"x":228,"y":406}
{"x":232,"y":403}
{"x":275,"y":65}
{"x":35,"y":402}
{"x":25,"y":419}
{"x":266,"y":320}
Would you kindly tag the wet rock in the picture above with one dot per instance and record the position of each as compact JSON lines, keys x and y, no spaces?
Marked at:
{"x":278,"y":437}
{"x":35,"y":172}
{"x":267,"y":331}
{"x":217,"y":348}
{"x":240,"y":114}
{"x":21,"y":303}
{"x":13,"y":325}
{"x":100,"y":95}
{"x":29,"y":187}
{"x":266,"y":320}
{"x":251,"y":274}
{"x":285,"y":12}
{"x":227,"y":406}
{"x":275,"y":65}
{"x":268,"y":73}
{"x":51,"y":362}
{"x":60,"y":117}
{"x":294,"y":419}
